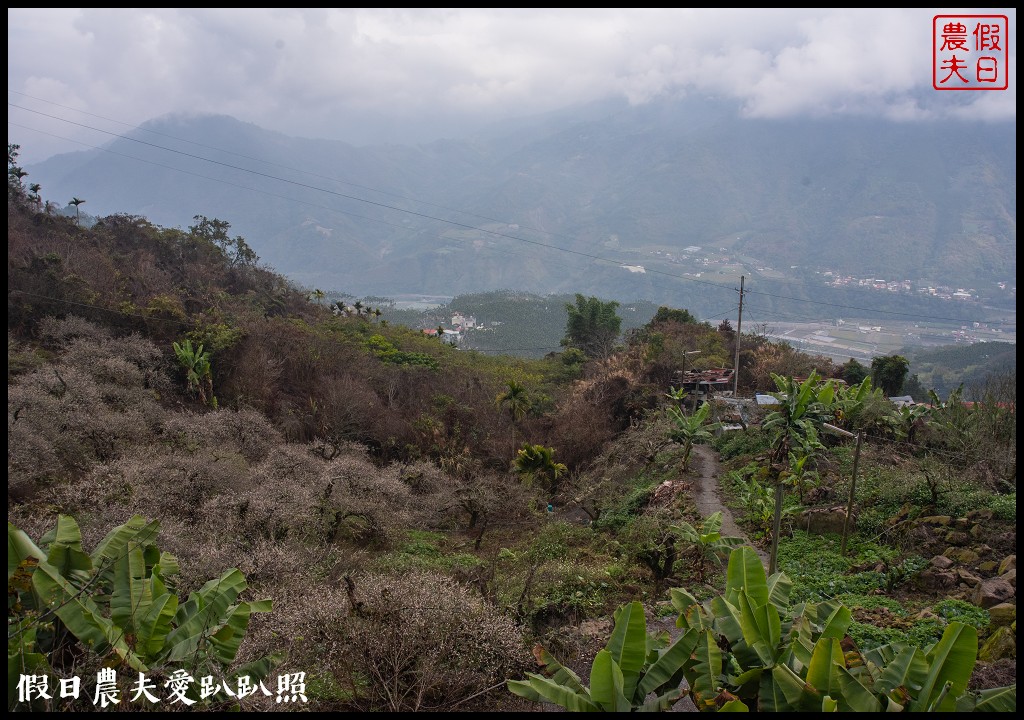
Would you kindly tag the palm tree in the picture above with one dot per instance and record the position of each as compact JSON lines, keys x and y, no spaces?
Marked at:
{"x":517,"y":401}
{"x":317,"y":295}
{"x":358,"y":305}
{"x":78,"y":213}
{"x":537,"y":463}
{"x":35,"y":197}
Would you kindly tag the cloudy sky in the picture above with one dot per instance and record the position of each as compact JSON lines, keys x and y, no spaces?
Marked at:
{"x":402,"y":76}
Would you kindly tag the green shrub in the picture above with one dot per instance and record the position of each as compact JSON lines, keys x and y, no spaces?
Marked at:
{"x":616,"y":517}
{"x":735,"y":444}
{"x":1004,"y":506}
{"x":819,"y":572}
{"x":962,"y":611}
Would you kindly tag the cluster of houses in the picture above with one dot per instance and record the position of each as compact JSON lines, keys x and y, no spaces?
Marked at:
{"x":459,"y":326}
{"x":942,"y":292}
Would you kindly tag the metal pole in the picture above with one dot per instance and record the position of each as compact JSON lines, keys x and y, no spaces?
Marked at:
{"x":853,"y":489}
{"x":773,"y":561}
{"x":736,"y":362}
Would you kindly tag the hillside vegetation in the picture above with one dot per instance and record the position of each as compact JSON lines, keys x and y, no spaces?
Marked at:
{"x":213,"y":472}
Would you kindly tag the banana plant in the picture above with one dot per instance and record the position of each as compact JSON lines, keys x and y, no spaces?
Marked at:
{"x":798,"y":476}
{"x":761,"y":653}
{"x":636,"y":671}
{"x":793,"y":427}
{"x":709,"y":545}
{"x":198,"y":370}
{"x":750,"y":649}
{"x":120,"y":603}
{"x":690,"y":429}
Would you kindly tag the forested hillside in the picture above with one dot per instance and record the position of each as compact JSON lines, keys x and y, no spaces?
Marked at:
{"x":213,"y":472}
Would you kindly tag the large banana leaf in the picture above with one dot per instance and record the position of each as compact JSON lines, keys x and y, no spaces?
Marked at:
{"x":228,"y":638}
{"x":1001,"y":699}
{"x":782,"y":690}
{"x":661,"y":703}
{"x":800,"y":638}
{"x":669,"y":663}
{"x":628,"y":644}
{"x":834,"y":617}
{"x":706,"y":672}
{"x":132,"y":595}
{"x":951,"y":660}
{"x":822,"y":672}
{"x":551,"y":668}
{"x":538,"y":688}
{"x":746,"y":684}
{"x":65,"y":549}
{"x":779,"y":587}
{"x":904,"y":676}
{"x":745,"y":572}
{"x":20,"y":547}
{"x":855,"y":697}
{"x":115,"y":544}
{"x":606,"y":684}
{"x":690,"y":611}
{"x":205,"y":613}
{"x":155,"y":625}
{"x":761,"y":628}
{"x":726,"y":618}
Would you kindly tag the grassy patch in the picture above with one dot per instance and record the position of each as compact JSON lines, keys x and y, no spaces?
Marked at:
{"x":819,"y":572}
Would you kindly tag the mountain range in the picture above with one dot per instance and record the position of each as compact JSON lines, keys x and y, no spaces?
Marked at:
{"x":603,"y":199}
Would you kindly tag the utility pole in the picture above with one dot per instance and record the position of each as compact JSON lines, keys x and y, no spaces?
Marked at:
{"x":853,"y":489}
{"x":736,"y":361}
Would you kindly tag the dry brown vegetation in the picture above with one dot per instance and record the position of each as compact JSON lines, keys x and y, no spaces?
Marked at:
{"x":358,"y":474}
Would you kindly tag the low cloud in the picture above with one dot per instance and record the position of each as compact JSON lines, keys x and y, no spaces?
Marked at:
{"x":373,"y":75}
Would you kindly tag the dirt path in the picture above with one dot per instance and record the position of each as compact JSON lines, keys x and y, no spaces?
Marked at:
{"x":704,"y":462}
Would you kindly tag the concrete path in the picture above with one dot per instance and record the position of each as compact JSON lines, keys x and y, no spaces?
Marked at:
{"x":707,"y":495}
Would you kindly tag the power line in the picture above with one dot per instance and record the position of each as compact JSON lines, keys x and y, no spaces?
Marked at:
{"x":495,"y":233}
{"x":213,"y":179}
{"x":273,"y":164}
{"x":538,"y":243}
{"x":490,"y":248}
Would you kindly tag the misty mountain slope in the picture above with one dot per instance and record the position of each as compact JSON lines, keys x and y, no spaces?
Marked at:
{"x":861,"y":197}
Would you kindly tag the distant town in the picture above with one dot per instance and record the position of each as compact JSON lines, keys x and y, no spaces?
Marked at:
{"x":722,"y":262}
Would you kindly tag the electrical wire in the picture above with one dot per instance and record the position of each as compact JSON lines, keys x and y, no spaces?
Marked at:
{"x":494,"y":233}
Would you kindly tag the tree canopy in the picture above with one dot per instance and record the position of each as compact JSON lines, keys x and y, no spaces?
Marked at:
{"x":889,"y":373}
{"x":593,"y":326}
